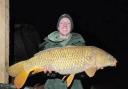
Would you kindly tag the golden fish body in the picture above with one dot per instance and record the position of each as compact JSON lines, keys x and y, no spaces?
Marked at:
{"x":68,"y":60}
{"x":72,"y":59}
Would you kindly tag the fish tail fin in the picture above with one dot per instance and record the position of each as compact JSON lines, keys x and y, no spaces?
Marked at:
{"x":21,"y":78}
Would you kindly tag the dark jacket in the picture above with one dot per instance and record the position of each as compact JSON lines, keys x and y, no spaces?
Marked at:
{"x":53,"y":40}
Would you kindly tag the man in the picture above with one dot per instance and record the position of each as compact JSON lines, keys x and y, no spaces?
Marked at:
{"x":62,"y":37}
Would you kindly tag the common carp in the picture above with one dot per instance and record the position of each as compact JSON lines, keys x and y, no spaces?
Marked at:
{"x":68,"y":60}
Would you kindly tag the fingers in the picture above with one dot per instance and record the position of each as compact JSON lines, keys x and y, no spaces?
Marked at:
{"x":47,"y":69}
{"x":50,"y":69}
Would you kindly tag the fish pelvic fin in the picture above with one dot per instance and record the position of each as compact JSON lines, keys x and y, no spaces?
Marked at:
{"x":69,"y":79}
{"x":91,"y":71}
{"x":64,"y":77}
{"x":20,"y":79}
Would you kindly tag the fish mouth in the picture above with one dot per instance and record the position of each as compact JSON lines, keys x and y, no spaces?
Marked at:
{"x":115,"y":63}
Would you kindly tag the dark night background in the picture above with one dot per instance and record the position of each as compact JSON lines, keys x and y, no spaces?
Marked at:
{"x":103,"y":23}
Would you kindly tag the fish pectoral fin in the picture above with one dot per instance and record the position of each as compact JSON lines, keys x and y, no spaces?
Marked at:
{"x":91,"y":71}
{"x":20,"y":79}
{"x":64,"y":77}
{"x":69,"y":80}
{"x":37,"y":70}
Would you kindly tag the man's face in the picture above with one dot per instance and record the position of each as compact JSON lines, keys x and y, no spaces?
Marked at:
{"x":64,"y":26}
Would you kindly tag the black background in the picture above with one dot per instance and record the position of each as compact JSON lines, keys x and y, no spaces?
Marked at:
{"x":103,"y":23}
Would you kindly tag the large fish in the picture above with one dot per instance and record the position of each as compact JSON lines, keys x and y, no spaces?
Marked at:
{"x":68,"y":60}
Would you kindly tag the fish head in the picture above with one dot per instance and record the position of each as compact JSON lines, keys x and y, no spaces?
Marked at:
{"x":106,"y":61}
{"x":111,"y":61}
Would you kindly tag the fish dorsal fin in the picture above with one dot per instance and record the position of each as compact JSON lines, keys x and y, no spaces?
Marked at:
{"x":70,"y":46}
{"x":38,"y":53}
{"x":69,"y":80}
{"x":52,"y":48}
{"x":46,"y":50}
{"x":91,"y":71}
{"x":20,"y":79}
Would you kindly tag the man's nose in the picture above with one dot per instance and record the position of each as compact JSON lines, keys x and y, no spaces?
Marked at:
{"x":65,"y":24}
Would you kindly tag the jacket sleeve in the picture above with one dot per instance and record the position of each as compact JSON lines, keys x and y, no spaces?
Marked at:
{"x":42,"y":46}
{"x":46,"y":44}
